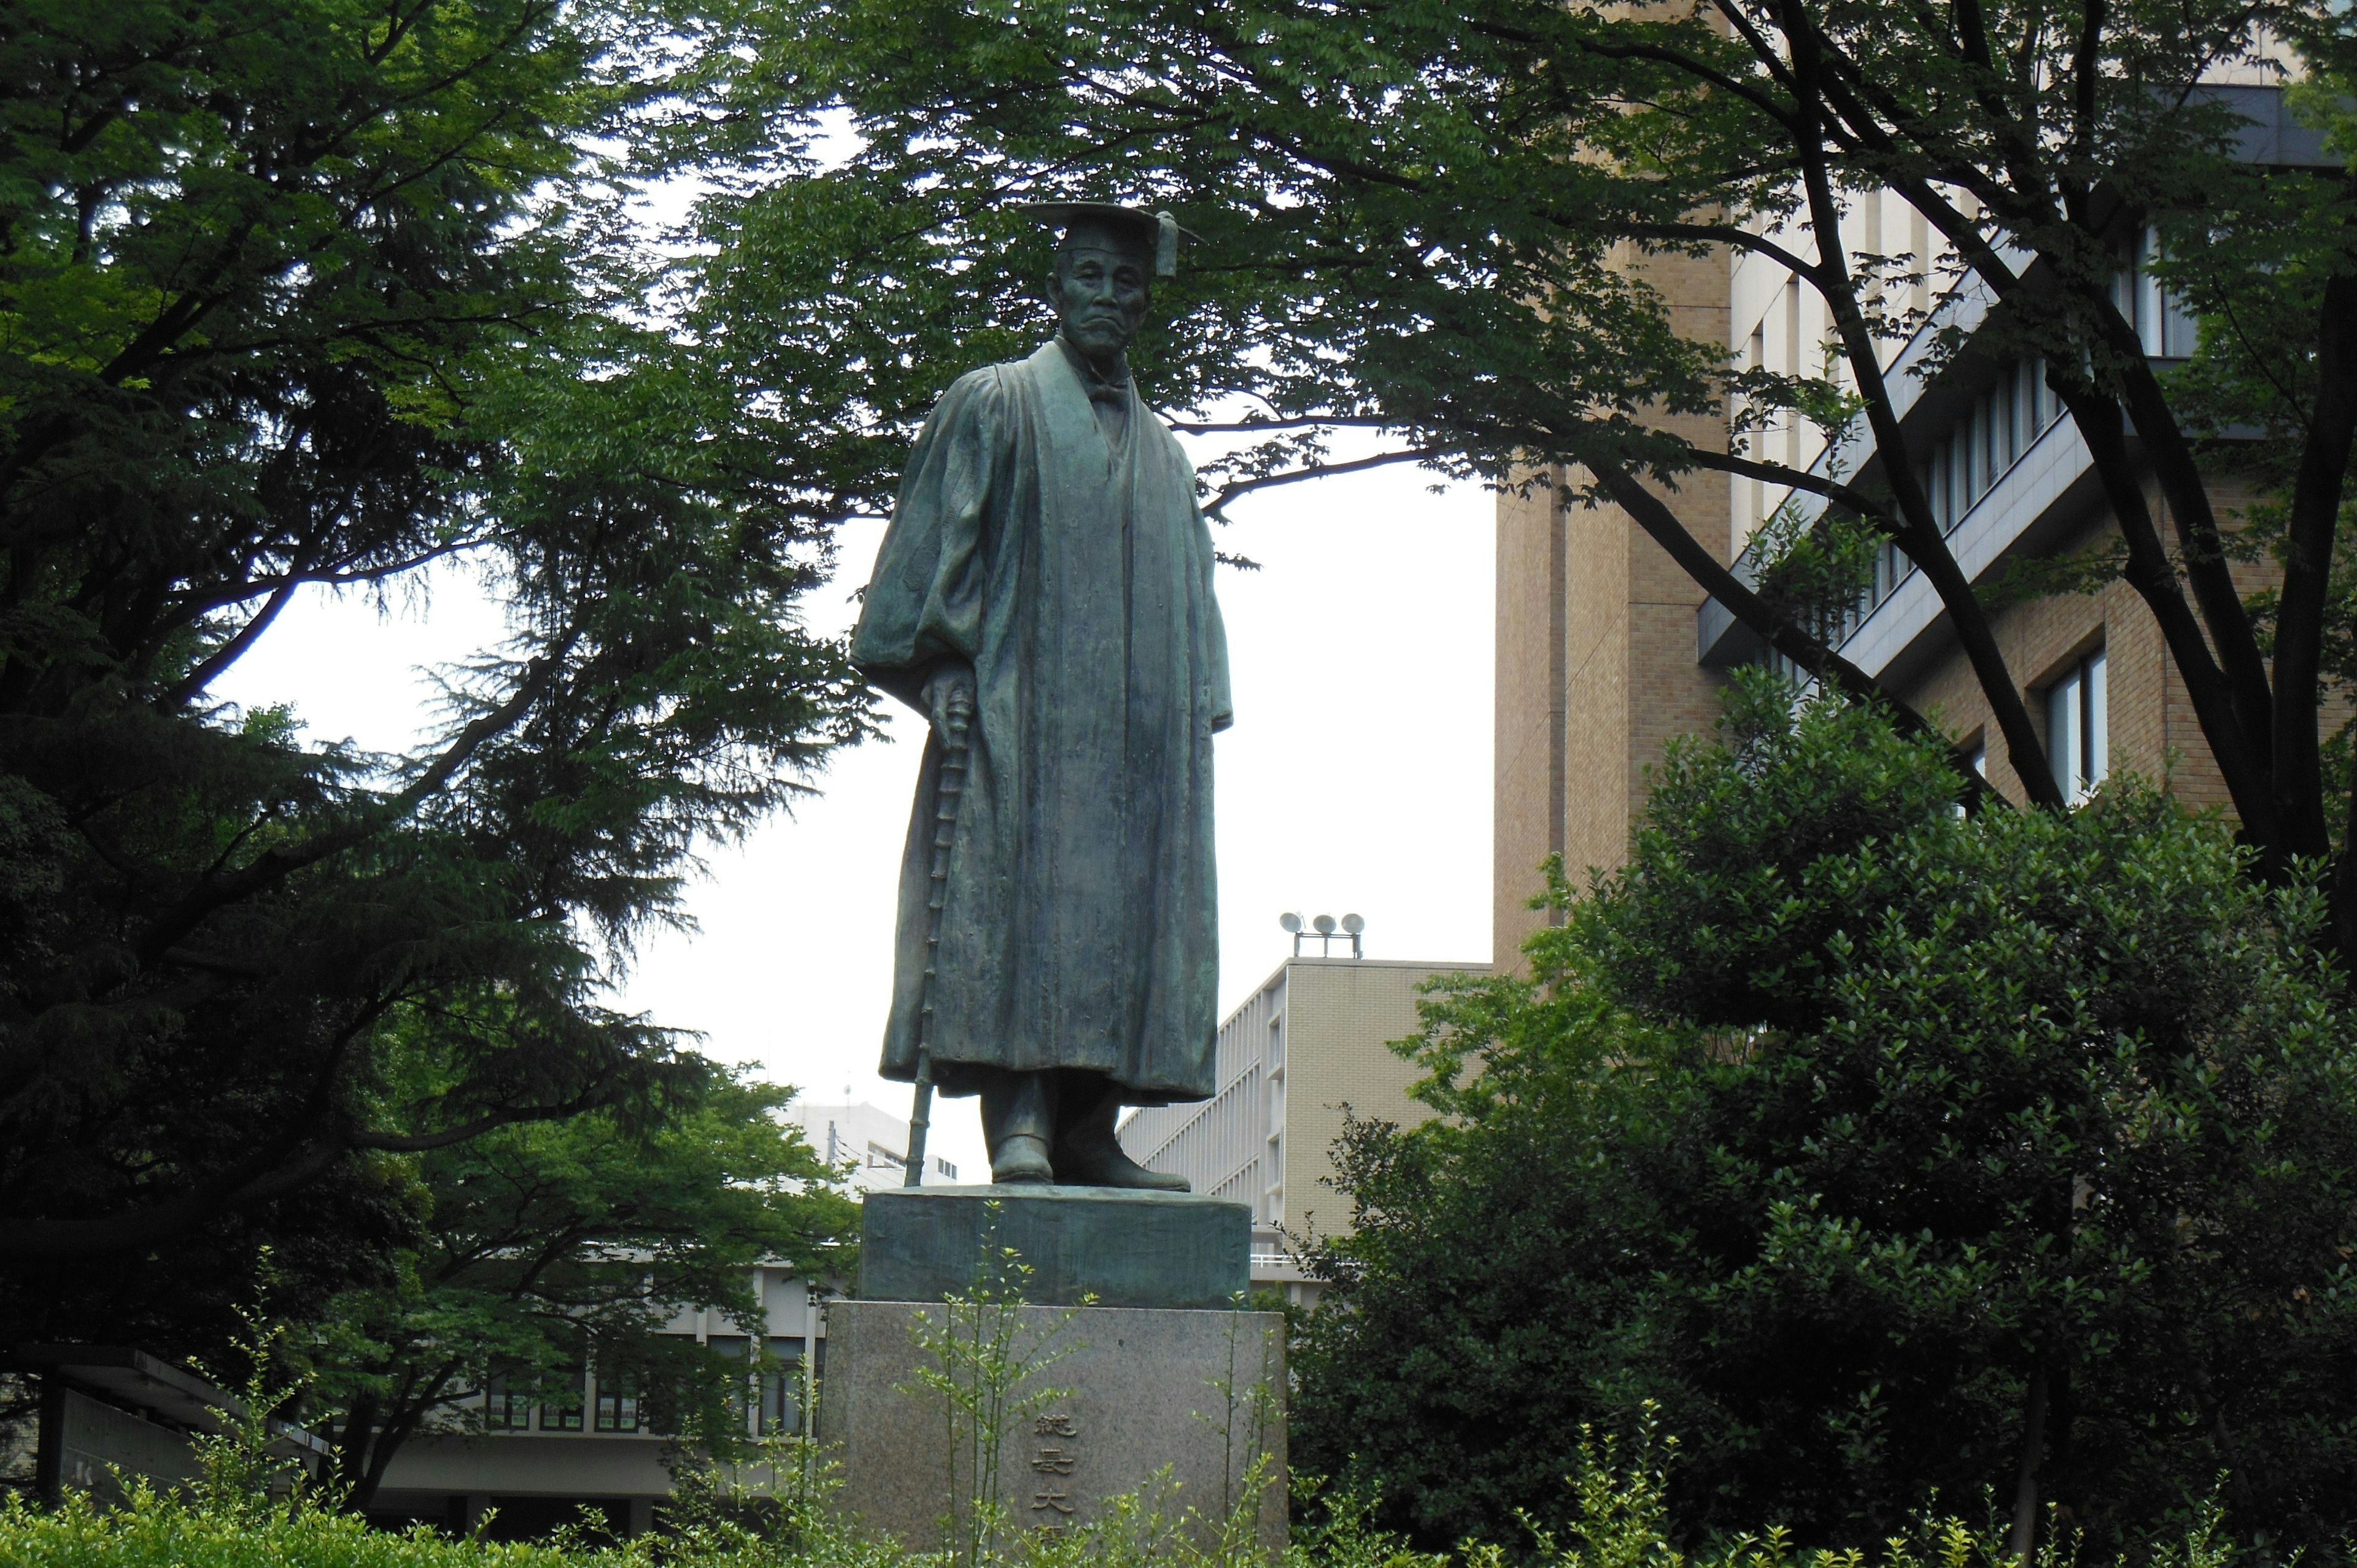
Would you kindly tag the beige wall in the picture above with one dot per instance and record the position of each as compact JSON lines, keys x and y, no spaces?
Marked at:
{"x":1340,"y":1017}
{"x":2152,"y":733}
{"x":1631,"y":684}
{"x":1527,"y":812}
{"x":1596,"y":653}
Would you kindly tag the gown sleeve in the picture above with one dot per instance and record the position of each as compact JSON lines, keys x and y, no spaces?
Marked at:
{"x":1224,"y":705}
{"x":925,"y":603}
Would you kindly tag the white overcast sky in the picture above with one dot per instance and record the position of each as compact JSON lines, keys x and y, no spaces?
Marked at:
{"x":1356,"y":778}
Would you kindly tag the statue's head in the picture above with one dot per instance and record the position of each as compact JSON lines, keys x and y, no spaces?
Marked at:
{"x":1103,"y":281}
{"x":1106,"y":268}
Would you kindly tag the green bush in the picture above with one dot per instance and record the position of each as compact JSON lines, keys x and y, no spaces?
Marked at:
{"x":164,"y":1531}
{"x":1618,"y":1519}
{"x":1884,"y":1148}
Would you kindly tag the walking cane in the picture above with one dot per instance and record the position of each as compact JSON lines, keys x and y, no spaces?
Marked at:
{"x":946,"y":793}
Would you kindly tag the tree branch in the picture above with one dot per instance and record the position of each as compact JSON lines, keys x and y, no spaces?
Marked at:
{"x":1662,"y":525}
{"x":1720,"y":234}
{"x":2150,"y":574}
{"x":2315,"y":516}
{"x":274,"y":866}
{"x":1234,"y":489}
{"x":1920,"y":536}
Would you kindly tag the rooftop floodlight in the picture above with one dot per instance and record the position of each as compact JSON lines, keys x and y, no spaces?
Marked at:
{"x":1325,"y":931}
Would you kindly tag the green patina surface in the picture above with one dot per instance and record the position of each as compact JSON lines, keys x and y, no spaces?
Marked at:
{"x":1123,"y":1248}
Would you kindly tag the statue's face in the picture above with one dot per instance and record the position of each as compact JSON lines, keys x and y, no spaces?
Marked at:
{"x":1099,"y":293}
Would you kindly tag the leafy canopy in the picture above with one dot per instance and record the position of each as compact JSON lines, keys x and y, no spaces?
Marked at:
{"x":1841,"y":1124}
{"x":1498,"y":231}
{"x":546,"y":1248}
{"x":309,"y":295}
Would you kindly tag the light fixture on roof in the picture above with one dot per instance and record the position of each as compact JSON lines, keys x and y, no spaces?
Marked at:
{"x":1323,"y":930}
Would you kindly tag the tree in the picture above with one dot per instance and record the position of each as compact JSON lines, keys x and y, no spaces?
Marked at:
{"x":1893,"y":1151}
{"x":1438,"y":218}
{"x":307,"y":293}
{"x":551,"y":1246}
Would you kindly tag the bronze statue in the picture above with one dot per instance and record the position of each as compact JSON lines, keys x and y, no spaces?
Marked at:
{"x":1044,"y":597}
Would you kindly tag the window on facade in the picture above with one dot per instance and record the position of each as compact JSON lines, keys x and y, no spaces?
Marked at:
{"x":562,"y":1413}
{"x":617,"y":1401}
{"x":1793,"y":366}
{"x":1891,"y":569}
{"x":504,"y":1410}
{"x":1756,"y":504}
{"x":784,"y":1390}
{"x":742,"y":1390}
{"x":1976,"y":455}
{"x":2078,"y":743}
{"x":2162,"y":323}
{"x":1992,"y":436}
{"x":1976,"y":755}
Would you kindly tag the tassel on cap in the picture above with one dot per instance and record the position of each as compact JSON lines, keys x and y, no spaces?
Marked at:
{"x":1158,"y":230}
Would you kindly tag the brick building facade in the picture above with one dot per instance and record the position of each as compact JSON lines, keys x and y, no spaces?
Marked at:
{"x":1606,"y":649}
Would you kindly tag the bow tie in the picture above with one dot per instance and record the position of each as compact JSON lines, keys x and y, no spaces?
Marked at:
{"x":1113,"y":392}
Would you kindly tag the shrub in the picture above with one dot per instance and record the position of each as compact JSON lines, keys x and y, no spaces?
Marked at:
{"x":1899,"y":1154}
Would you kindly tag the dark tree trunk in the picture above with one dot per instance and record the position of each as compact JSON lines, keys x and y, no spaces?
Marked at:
{"x":352,"y":1443}
{"x":2024,"y":1544}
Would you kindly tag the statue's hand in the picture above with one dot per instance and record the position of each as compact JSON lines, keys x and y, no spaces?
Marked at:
{"x":949,"y":701}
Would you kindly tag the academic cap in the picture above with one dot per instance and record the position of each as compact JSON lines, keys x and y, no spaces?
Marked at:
{"x":1157,"y":230}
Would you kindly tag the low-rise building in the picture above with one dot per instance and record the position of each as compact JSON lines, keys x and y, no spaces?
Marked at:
{"x":536,"y":1464}
{"x":1310,"y":1049}
{"x":875,"y":1143}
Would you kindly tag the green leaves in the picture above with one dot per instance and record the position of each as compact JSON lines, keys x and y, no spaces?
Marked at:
{"x":1836,"y":1121}
{"x":299,"y":294}
{"x":545,"y":1247}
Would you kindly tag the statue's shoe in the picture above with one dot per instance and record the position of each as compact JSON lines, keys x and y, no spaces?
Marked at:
{"x":1021,"y":1157}
{"x":1112,"y":1167}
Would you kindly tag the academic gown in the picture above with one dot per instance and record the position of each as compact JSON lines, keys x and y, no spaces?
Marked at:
{"x":1072,"y":570}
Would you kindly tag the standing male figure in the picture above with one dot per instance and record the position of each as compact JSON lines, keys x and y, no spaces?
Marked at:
{"x":1048,"y":573}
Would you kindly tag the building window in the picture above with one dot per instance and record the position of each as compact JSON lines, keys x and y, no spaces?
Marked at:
{"x":1793,"y":366}
{"x":1755,"y":491}
{"x":783,"y":1389}
{"x":504,"y":1410}
{"x":618,"y":1402}
{"x":2162,"y":323}
{"x":562,"y":1413}
{"x":1977,"y":757}
{"x":2078,"y":743}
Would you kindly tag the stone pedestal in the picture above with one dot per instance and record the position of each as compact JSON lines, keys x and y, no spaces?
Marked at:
{"x":1170,"y":1396}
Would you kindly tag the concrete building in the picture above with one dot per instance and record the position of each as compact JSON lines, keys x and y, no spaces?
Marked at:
{"x":538,"y":1463}
{"x":1606,"y":649}
{"x":874,"y":1143}
{"x":1307,"y":1048}
{"x":105,"y":1417}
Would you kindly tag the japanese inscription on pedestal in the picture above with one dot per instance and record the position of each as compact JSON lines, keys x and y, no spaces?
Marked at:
{"x":1054,"y":1457}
